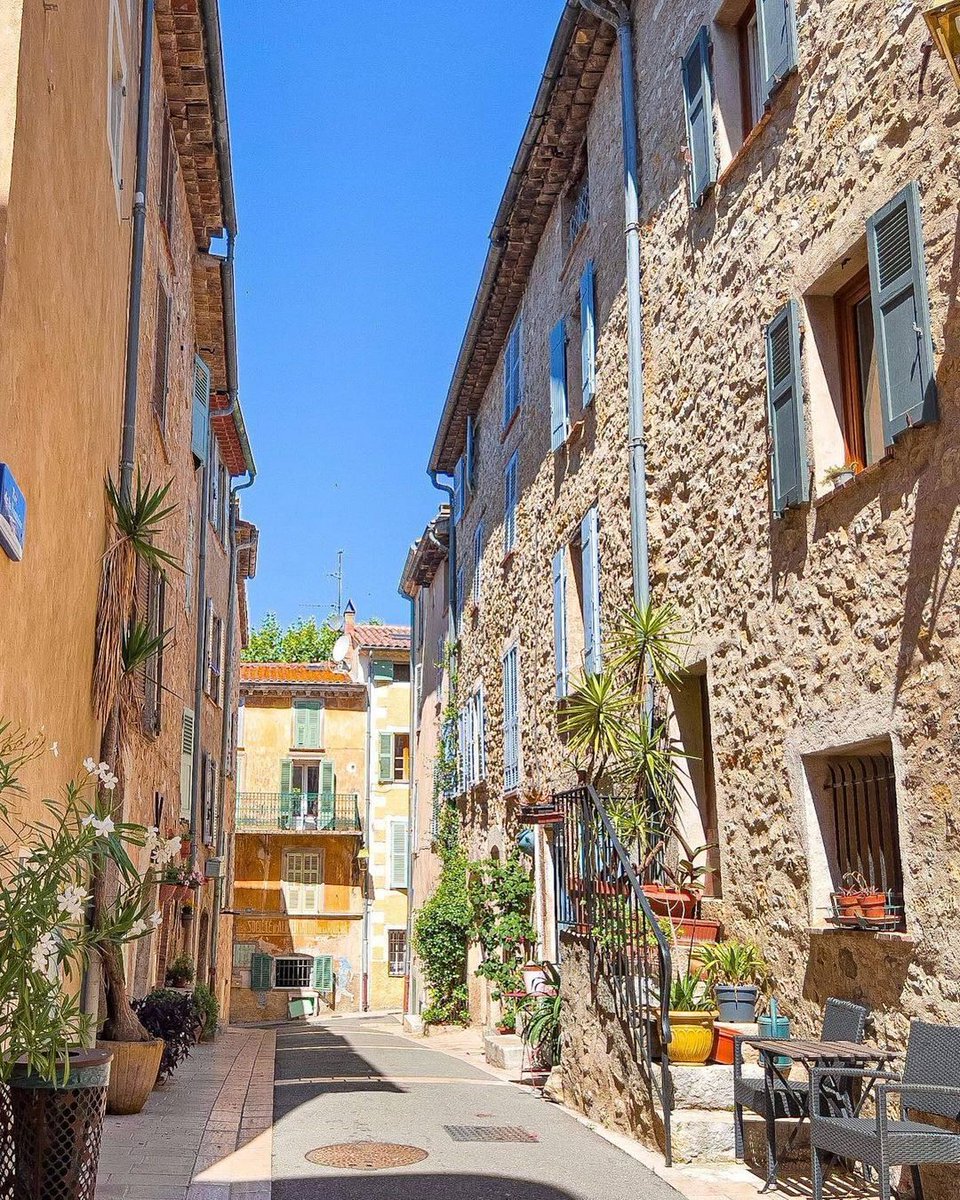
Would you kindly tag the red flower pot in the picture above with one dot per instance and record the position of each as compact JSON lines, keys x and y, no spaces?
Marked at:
{"x":671,"y":902}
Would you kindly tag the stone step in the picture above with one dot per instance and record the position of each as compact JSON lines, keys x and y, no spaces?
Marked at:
{"x":708,"y":1087}
{"x":700,"y":1136}
{"x":503,"y":1050}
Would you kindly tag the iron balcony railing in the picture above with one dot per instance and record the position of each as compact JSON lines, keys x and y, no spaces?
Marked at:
{"x":599,"y":897}
{"x":298,"y":812}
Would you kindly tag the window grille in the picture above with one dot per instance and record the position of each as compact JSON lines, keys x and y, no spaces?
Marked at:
{"x":580,"y":212}
{"x":397,"y":951}
{"x":294,"y":973}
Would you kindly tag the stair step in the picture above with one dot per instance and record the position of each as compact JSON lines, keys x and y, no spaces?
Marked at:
{"x":708,"y":1087}
{"x":702,"y":1136}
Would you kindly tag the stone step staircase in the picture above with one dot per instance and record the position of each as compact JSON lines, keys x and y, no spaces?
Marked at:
{"x":702,"y":1118}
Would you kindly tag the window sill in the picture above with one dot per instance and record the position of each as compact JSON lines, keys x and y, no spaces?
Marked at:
{"x":573,"y":248}
{"x":576,"y":431}
{"x":744,"y":149}
{"x":505,"y":431}
{"x":508,"y":557}
{"x":877,"y":935}
{"x":839,"y":488}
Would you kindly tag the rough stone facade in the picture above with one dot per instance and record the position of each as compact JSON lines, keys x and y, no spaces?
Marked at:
{"x":833,"y":629}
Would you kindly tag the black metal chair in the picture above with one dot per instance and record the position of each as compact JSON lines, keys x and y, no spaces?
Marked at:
{"x":930,"y":1084}
{"x":843,"y":1021}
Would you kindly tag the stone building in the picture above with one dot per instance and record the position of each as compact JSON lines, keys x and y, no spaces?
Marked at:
{"x":118,"y":343}
{"x":425,"y":582}
{"x":798,"y":245}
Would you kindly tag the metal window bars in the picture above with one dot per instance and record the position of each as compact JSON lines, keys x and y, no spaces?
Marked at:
{"x":580,"y":211}
{"x":600,"y":899}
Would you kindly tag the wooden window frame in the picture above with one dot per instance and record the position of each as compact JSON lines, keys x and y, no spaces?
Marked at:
{"x":743,"y":54}
{"x":846,"y":302}
{"x":400,"y":934}
{"x":398,"y":757}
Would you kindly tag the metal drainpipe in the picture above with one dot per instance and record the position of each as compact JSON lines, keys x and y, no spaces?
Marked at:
{"x":368,"y":844}
{"x":411,"y":809}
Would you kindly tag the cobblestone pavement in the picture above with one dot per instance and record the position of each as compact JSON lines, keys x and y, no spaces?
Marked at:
{"x":206,"y":1135}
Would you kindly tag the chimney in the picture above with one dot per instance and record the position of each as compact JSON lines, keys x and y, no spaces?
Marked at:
{"x":349,"y":617}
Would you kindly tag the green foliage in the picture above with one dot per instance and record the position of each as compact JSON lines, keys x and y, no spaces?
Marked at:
{"x":140,"y":519}
{"x":689,"y":994}
{"x":733,"y":962}
{"x":207,"y":1005}
{"x":500,"y":896}
{"x":181,"y":970}
{"x":303,"y":641}
{"x":542,"y":1017}
{"x":442,"y":929}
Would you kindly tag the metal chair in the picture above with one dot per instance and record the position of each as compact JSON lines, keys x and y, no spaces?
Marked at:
{"x":930,"y":1084}
{"x":843,"y":1021}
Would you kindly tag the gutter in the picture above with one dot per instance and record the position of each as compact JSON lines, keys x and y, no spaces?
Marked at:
{"x":558,"y":51}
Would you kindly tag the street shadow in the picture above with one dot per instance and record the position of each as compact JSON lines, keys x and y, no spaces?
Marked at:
{"x":321,"y":1063}
{"x":416,"y":1185}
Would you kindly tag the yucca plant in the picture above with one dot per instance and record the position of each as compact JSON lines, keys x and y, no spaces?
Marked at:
{"x":733,"y":962}
{"x":688,"y":993}
{"x":542,"y":1017}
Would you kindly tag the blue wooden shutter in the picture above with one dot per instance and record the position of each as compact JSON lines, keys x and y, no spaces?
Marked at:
{"x":480,"y":726}
{"x":590,"y":574}
{"x":323,"y":972}
{"x":187,"y":728}
{"x":386,"y":758}
{"x":560,"y":620}
{"x":588,"y":334}
{"x":261,"y":972}
{"x":201,"y":409}
{"x":901,"y":314}
{"x":511,"y":722}
{"x":777,"y":38}
{"x":458,"y":472}
{"x":469,"y":462}
{"x":559,"y":407}
{"x":789,"y":476}
{"x":477,"y":562}
{"x":698,"y":106}
{"x":510,"y":505}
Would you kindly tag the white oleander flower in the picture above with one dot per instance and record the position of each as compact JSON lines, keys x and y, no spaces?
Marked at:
{"x":102,"y":825}
{"x":90,"y":766}
{"x":55,"y":749}
{"x":44,"y":956}
{"x":157,"y":919}
{"x":72,"y":900}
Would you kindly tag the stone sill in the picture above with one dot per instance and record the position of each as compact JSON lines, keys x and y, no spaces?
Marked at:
{"x":877,"y":935}
{"x":505,"y":431}
{"x":744,"y":149}
{"x":572,"y":249}
{"x":836,"y":489}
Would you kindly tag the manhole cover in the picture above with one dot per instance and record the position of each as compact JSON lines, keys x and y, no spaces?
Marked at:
{"x":490,"y":1133}
{"x":366,"y":1156}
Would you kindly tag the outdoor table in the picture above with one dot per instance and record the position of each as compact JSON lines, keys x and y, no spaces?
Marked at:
{"x":811,"y":1053}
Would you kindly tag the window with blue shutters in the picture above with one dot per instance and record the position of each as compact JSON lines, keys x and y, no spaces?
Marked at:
{"x":777,"y":38}
{"x":510,"y":504}
{"x":559,"y":404}
{"x":201,"y":409}
{"x":588,"y":333}
{"x":698,"y":109}
{"x":458,"y":481}
{"x":511,"y":722}
{"x":590,"y":575}
{"x":789,"y":475}
{"x":477,"y":562}
{"x":307,"y":724}
{"x":560,"y":622}
{"x":513,"y":372}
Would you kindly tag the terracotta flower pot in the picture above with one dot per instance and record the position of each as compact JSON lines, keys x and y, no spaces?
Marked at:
{"x":671,"y":902}
{"x":873,"y":904}
{"x":133,"y":1075}
{"x":691,"y":1037}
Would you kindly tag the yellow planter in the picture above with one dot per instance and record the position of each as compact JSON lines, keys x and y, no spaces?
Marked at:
{"x":691,"y":1037}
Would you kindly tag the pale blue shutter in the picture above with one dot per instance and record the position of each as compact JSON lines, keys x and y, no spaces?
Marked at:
{"x":559,"y":407}
{"x":328,"y":790}
{"x":469,"y":463}
{"x":588,"y":333}
{"x":261,"y":972}
{"x":458,"y":471}
{"x":901,"y":314}
{"x":323,"y":972}
{"x":477,"y":562}
{"x":510,"y":505}
{"x":560,"y":621}
{"x":386,"y":758}
{"x":777,"y":37}
{"x":398,"y":854}
{"x":201,"y":409}
{"x":590,"y":574}
{"x":789,"y":476}
{"x":698,"y":107}
{"x":480,"y":719}
{"x":511,"y":722}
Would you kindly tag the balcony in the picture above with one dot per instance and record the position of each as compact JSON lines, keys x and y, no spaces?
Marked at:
{"x":298,"y":812}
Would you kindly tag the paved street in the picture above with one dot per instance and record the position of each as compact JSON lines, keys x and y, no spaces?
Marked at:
{"x":352,"y":1081}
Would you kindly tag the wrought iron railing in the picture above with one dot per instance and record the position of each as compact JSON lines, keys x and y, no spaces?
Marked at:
{"x":599,"y":897}
{"x":298,"y":812}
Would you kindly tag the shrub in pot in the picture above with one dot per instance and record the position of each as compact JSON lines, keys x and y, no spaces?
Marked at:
{"x":692,"y":1018}
{"x":174,"y":1017}
{"x":180,"y":972}
{"x":206,"y":1004}
{"x":540,"y":1019}
{"x":736,"y":970}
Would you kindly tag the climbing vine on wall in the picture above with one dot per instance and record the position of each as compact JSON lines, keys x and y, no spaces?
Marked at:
{"x":500,"y":894}
{"x":442,"y":930}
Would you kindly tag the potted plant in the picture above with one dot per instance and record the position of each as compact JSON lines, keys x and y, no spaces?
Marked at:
{"x":736,"y":970}
{"x":175,"y":1019}
{"x":692,"y":1018}
{"x":856,"y":898}
{"x":841,"y":473}
{"x":206,"y":1003}
{"x":180,"y":972}
{"x":541,"y":1019}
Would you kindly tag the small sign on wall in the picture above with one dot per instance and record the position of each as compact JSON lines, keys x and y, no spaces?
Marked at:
{"x":13,"y":514}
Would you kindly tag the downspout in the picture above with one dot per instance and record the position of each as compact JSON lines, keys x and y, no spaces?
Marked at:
{"x":128,"y":442}
{"x":368,"y":841}
{"x":412,"y":808}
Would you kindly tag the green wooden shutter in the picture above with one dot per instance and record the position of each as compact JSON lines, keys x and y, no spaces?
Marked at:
{"x":698,"y":107}
{"x":328,"y":790}
{"x":560,"y":621}
{"x":382,"y":671}
{"x":559,"y":406}
{"x":307,"y":719}
{"x":386,"y":758}
{"x":588,"y":334}
{"x":261,"y":972}
{"x":286,"y":775}
{"x":777,"y":37}
{"x":201,"y":409}
{"x":590,"y":574}
{"x":323,"y":972}
{"x":790,"y":478}
{"x":901,"y":314}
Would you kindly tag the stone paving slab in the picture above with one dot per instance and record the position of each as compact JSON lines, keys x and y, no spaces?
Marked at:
{"x":206,"y":1135}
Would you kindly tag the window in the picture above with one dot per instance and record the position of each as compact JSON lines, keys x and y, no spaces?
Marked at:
{"x":579,"y":207}
{"x":510,"y":505}
{"x":116,"y":96}
{"x":401,"y":672}
{"x":458,"y":499}
{"x":397,"y":951}
{"x":513,"y":373}
{"x":588,"y":334}
{"x":477,"y":562}
{"x":751,"y":80}
{"x":153,"y":680}
{"x":242,"y":954}
{"x":690,"y":732}
{"x":559,"y":402}
{"x":293,"y":973}
{"x":511,"y":722}
{"x":302,"y":875}
{"x":399,"y":848}
{"x":161,"y":355}
{"x":860,"y":383}
{"x":458,"y":601}
{"x":855,"y":827}
{"x":215,"y":652}
{"x":219,"y":492}
{"x":209,"y":790}
{"x":472,"y":757}
{"x":168,"y":163}
{"x":307,"y":724}
{"x":394,"y":757}
{"x":698,"y":108}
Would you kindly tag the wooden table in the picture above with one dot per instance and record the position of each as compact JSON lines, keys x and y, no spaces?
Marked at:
{"x":811,"y":1053}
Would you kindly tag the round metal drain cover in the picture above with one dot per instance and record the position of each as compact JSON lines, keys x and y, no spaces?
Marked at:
{"x":366,"y":1156}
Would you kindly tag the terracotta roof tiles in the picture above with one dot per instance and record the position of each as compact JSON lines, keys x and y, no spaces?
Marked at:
{"x":381,"y":637}
{"x":304,"y":673}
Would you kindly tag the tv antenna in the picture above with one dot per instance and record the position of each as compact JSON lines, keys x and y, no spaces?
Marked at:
{"x":337,"y":612}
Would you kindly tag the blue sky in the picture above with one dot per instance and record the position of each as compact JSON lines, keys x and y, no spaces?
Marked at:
{"x":371,"y":146}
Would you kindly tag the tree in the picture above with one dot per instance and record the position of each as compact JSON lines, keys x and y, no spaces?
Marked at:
{"x":303,"y":641}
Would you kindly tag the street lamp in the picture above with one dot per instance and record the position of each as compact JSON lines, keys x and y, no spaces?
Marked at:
{"x":943,"y":21}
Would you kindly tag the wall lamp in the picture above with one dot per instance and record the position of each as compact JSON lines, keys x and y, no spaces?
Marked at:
{"x":943,"y":21}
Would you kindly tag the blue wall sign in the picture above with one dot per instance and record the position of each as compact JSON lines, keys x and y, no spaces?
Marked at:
{"x":13,"y":514}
